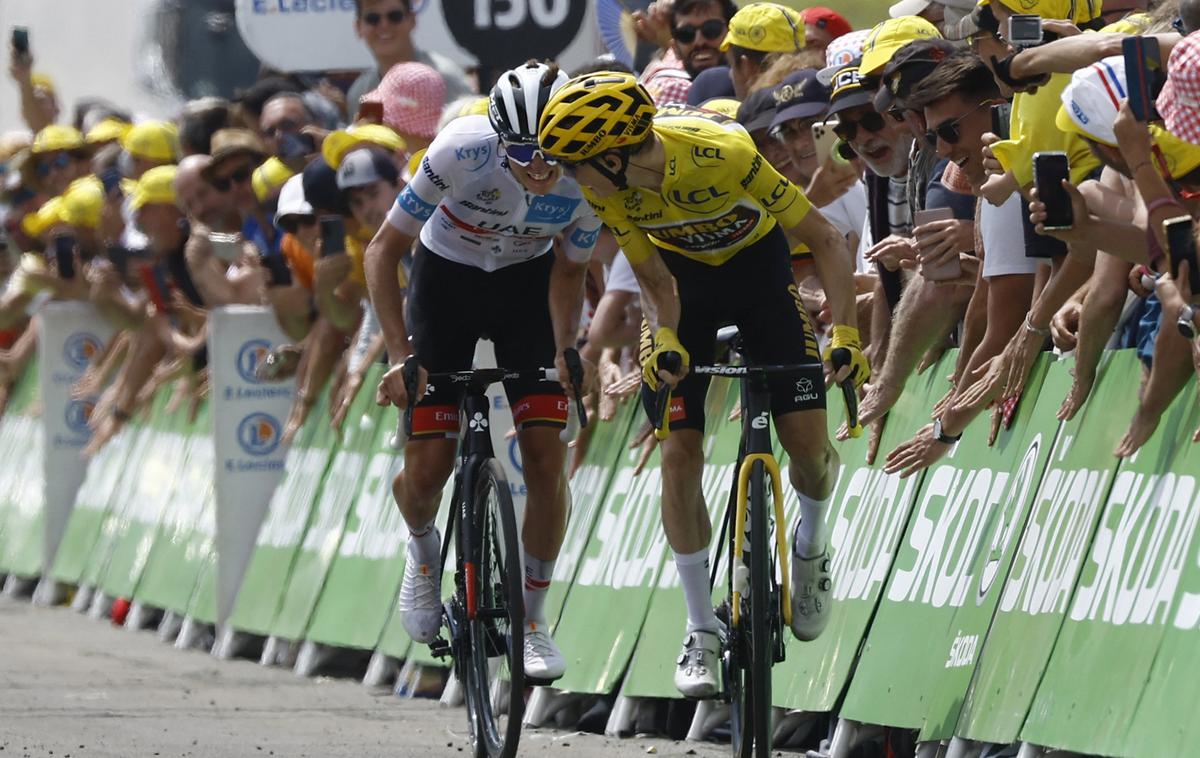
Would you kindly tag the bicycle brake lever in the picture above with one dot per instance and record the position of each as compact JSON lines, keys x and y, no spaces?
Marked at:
{"x":409,"y":371}
{"x":575,"y":372}
{"x":672,"y":362}
{"x":840,"y":358}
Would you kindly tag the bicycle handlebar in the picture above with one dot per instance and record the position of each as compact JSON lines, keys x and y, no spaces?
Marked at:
{"x":840,"y":358}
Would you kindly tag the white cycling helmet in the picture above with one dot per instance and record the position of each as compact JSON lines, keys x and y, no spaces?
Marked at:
{"x":516,"y":103}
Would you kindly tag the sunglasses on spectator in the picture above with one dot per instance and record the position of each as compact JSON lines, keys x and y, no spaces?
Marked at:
{"x":949,"y":131}
{"x":524,"y":154}
{"x":712,"y":29}
{"x":847,"y":129}
{"x":59,"y":162}
{"x":393,"y":17}
{"x":239,"y":176}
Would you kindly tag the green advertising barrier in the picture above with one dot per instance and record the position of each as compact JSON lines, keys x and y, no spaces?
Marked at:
{"x":14,"y":445}
{"x":327,"y":523}
{"x":185,"y":535}
{"x":282,"y":530}
{"x":652,"y":668}
{"x":22,"y":495}
{"x":1050,"y":555}
{"x":965,"y":519}
{"x":1020,"y":456}
{"x":105,"y":473}
{"x":1123,"y":598}
{"x":156,"y":483}
{"x":867,"y":515}
{"x":361,"y":587}
{"x":1165,"y":722}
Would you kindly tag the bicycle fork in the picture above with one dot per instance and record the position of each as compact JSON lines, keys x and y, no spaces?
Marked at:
{"x":740,"y":572}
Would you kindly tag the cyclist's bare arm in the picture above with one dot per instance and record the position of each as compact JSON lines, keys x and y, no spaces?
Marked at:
{"x":832,"y":257}
{"x":660,"y":299}
{"x":380,"y":262}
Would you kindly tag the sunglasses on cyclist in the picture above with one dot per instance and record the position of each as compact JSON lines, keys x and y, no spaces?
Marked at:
{"x":239,"y":176}
{"x":524,"y":154}
{"x":847,"y":128}
{"x":712,"y":29}
{"x":59,"y":162}
{"x":950,"y":131}
{"x":393,"y":17}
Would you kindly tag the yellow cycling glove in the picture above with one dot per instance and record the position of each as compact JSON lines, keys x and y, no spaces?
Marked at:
{"x":665,"y":341}
{"x":847,"y":338}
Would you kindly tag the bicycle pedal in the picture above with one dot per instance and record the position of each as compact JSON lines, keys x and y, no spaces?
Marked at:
{"x":439,"y":648}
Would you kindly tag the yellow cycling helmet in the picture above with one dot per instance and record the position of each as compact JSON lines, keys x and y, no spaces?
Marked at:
{"x":593,"y":113}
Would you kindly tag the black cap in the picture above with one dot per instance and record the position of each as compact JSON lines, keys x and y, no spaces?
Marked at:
{"x":321,"y":189}
{"x":800,"y":95}
{"x":710,"y":83}
{"x":907,"y":68}
{"x":758,"y":110}
{"x":848,"y":91}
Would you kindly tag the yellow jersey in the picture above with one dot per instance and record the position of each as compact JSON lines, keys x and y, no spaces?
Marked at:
{"x":718,"y":195}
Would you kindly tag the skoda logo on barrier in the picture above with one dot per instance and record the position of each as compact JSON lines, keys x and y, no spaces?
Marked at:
{"x":78,"y":413}
{"x":250,"y":357}
{"x":80,"y":348}
{"x":258,"y":434}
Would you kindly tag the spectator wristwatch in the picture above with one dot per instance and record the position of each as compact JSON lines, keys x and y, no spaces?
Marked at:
{"x":941,"y":436}
{"x":1187,"y":321}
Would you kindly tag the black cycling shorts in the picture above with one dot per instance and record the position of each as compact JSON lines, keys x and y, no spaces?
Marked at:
{"x":755,"y":291}
{"x":450,"y":306}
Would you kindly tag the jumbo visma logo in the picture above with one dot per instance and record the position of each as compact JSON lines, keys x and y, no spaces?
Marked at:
{"x":78,"y":413}
{"x":259,"y":434}
{"x":252,"y":355}
{"x":80,"y":348}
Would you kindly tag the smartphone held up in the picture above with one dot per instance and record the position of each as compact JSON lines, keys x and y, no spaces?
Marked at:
{"x":1050,"y":170}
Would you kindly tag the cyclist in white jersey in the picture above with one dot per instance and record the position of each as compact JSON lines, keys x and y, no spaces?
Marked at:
{"x":504,"y":243}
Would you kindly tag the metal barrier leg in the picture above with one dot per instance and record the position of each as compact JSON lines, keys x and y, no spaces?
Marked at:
{"x":1029,"y":750}
{"x":963,"y":748}
{"x":453,"y":694}
{"x":170,"y":626}
{"x":83,"y":598}
{"x":311,"y":657}
{"x":50,"y":592}
{"x":845,"y":735}
{"x":100,"y":607}
{"x":381,"y":670}
{"x":709,"y":715}
{"x":620,"y":721}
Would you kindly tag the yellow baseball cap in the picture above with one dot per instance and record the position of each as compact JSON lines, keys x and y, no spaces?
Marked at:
{"x":50,"y":213}
{"x":57,"y":137}
{"x":82,"y":202}
{"x":156,"y":187}
{"x":889,"y":36}
{"x":107,"y":130}
{"x":269,"y":178}
{"x":766,"y":27}
{"x":340,"y":142}
{"x":152,"y":140}
{"x":1071,"y":10}
{"x":726,"y":106}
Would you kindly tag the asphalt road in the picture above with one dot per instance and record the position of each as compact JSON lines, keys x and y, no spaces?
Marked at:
{"x":74,"y":687}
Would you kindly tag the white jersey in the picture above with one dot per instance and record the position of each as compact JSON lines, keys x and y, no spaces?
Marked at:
{"x":468,"y":207}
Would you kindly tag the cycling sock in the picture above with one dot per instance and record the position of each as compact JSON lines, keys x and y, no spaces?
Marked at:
{"x":537,"y":584}
{"x":693,"y":574}
{"x":425,"y":545}
{"x":810,"y":536}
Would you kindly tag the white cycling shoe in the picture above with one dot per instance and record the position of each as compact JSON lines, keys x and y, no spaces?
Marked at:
{"x":420,"y":603}
{"x":543,"y":660}
{"x":812,"y":595}
{"x":697,"y":666}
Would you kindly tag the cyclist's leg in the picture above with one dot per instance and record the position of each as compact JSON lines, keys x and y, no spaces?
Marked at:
{"x":441,"y":326}
{"x":524,"y":337}
{"x":776,"y":329}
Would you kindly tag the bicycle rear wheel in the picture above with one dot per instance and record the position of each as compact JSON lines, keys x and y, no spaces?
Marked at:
{"x":496,"y":670}
{"x":750,"y":653}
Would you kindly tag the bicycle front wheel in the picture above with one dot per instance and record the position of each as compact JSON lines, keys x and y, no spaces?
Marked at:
{"x":496,"y":670}
{"x":750,"y":650}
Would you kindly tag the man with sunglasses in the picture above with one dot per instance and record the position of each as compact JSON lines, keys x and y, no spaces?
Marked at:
{"x":502,"y":246}
{"x":387,"y":26}
{"x":284,"y":120}
{"x":697,"y":28}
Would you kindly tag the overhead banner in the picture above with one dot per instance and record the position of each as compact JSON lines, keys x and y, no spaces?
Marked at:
{"x":320,"y":35}
{"x":248,"y":416}
{"x":72,"y":335}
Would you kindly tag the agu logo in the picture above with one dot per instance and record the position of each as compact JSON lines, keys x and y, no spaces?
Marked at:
{"x":258,"y":434}
{"x":80,"y":348}
{"x":249,"y":357}
{"x":78,"y":413}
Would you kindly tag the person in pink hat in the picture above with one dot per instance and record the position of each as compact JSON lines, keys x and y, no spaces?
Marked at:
{"x":413,"y":96}
{"x":1179,"y":101}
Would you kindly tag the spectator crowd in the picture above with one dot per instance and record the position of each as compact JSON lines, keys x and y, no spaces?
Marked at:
{"x":915,"y":137}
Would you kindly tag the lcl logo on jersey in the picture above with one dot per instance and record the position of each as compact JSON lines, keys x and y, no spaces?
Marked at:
{"x":703,"y":200}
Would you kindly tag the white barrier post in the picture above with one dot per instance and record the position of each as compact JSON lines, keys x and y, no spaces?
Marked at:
{"x":72,"y":334}
{"x":248,"y":419}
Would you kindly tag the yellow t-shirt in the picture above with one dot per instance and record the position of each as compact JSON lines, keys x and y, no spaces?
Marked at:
{"x":718,"y":194}
{"x":1034,"y":130}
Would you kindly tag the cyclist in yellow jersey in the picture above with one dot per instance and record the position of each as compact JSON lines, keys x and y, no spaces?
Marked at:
{"x":687,"y":191}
